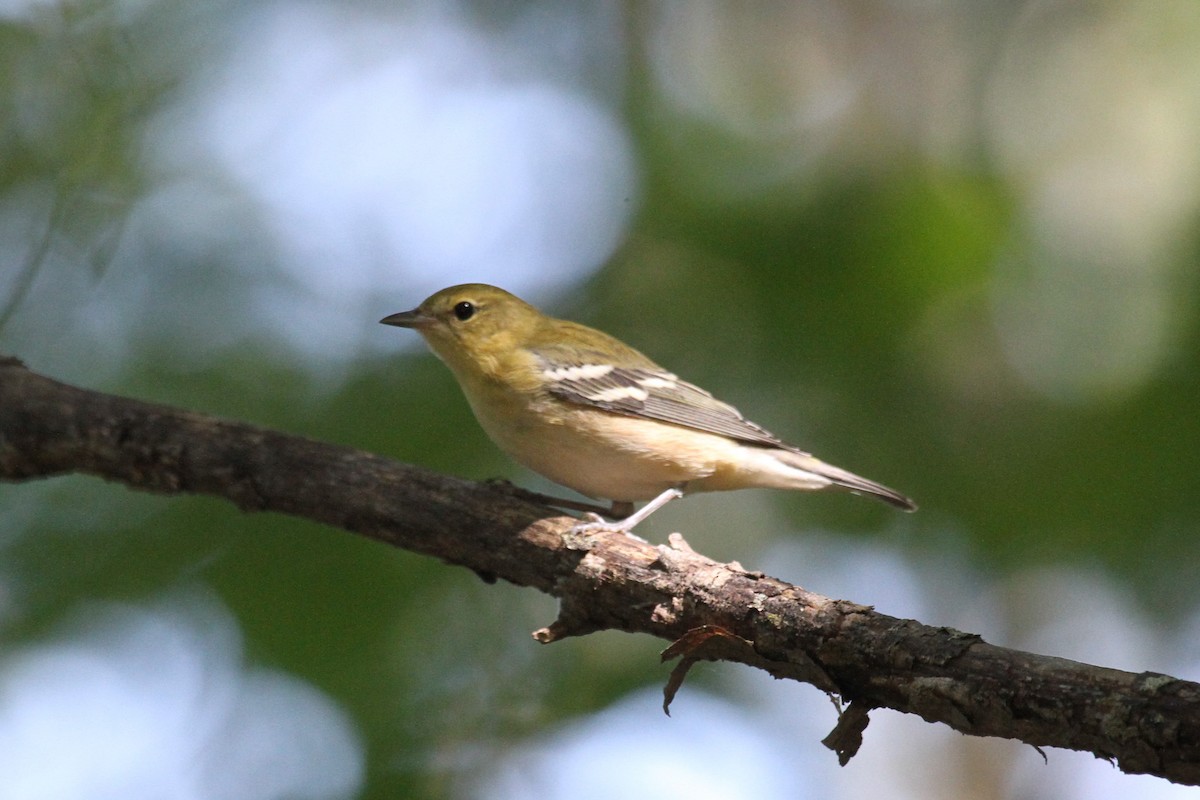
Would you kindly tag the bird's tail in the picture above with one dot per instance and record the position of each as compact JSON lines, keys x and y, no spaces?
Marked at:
{"x":848,"y":481}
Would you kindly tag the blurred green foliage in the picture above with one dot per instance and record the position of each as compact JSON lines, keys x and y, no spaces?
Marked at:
{"x":850,"y":314}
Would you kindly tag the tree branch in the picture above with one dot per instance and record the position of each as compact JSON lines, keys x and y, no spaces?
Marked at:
{"x":1146,"y":723}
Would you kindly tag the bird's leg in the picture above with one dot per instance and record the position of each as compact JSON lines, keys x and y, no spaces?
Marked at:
{"x":627,"y":524}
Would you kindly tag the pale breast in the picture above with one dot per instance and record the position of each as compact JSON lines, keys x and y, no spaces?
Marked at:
{"x":603,"y":455}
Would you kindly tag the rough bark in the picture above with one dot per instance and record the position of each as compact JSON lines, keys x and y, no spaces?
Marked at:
{"x":1145,"y":723}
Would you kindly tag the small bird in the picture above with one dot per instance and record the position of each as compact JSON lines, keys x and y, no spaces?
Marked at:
{"x":591,"y":413}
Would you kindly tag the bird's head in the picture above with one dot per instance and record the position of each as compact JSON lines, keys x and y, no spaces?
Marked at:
{"x":471,"y":325}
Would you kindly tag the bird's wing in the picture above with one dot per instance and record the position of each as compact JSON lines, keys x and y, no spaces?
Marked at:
{"x":648,"y":391}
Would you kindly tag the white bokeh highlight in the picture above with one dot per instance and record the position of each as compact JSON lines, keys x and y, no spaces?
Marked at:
{"x":157,"y":704}
{"x":392,"y":152}
{"x":710,"y":749}
{"x":1092,"y":123}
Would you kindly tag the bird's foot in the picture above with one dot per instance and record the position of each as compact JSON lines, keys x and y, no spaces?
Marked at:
{"x":597,"y":524}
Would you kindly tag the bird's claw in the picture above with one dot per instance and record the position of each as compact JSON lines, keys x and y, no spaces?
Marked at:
{"x":597,"y":524}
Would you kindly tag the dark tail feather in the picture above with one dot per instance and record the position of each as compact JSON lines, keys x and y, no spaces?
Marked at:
{"x":860,"y":485}
{"x":849,"y":481}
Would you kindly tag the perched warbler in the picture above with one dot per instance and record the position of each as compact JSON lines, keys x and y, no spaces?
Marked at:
{"x":591,"y":413}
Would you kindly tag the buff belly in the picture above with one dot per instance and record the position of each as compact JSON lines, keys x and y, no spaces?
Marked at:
{"x":623,"y":458}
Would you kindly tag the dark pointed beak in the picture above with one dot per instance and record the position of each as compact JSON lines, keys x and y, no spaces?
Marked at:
{"x":408,"y":319}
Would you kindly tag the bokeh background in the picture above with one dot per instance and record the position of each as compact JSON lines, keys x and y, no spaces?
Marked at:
{"x":949,"y":245}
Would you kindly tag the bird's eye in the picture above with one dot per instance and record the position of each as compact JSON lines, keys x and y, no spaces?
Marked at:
{"x":464,"y":310}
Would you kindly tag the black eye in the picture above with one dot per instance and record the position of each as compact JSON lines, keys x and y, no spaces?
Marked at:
{"x":464,"y":310}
